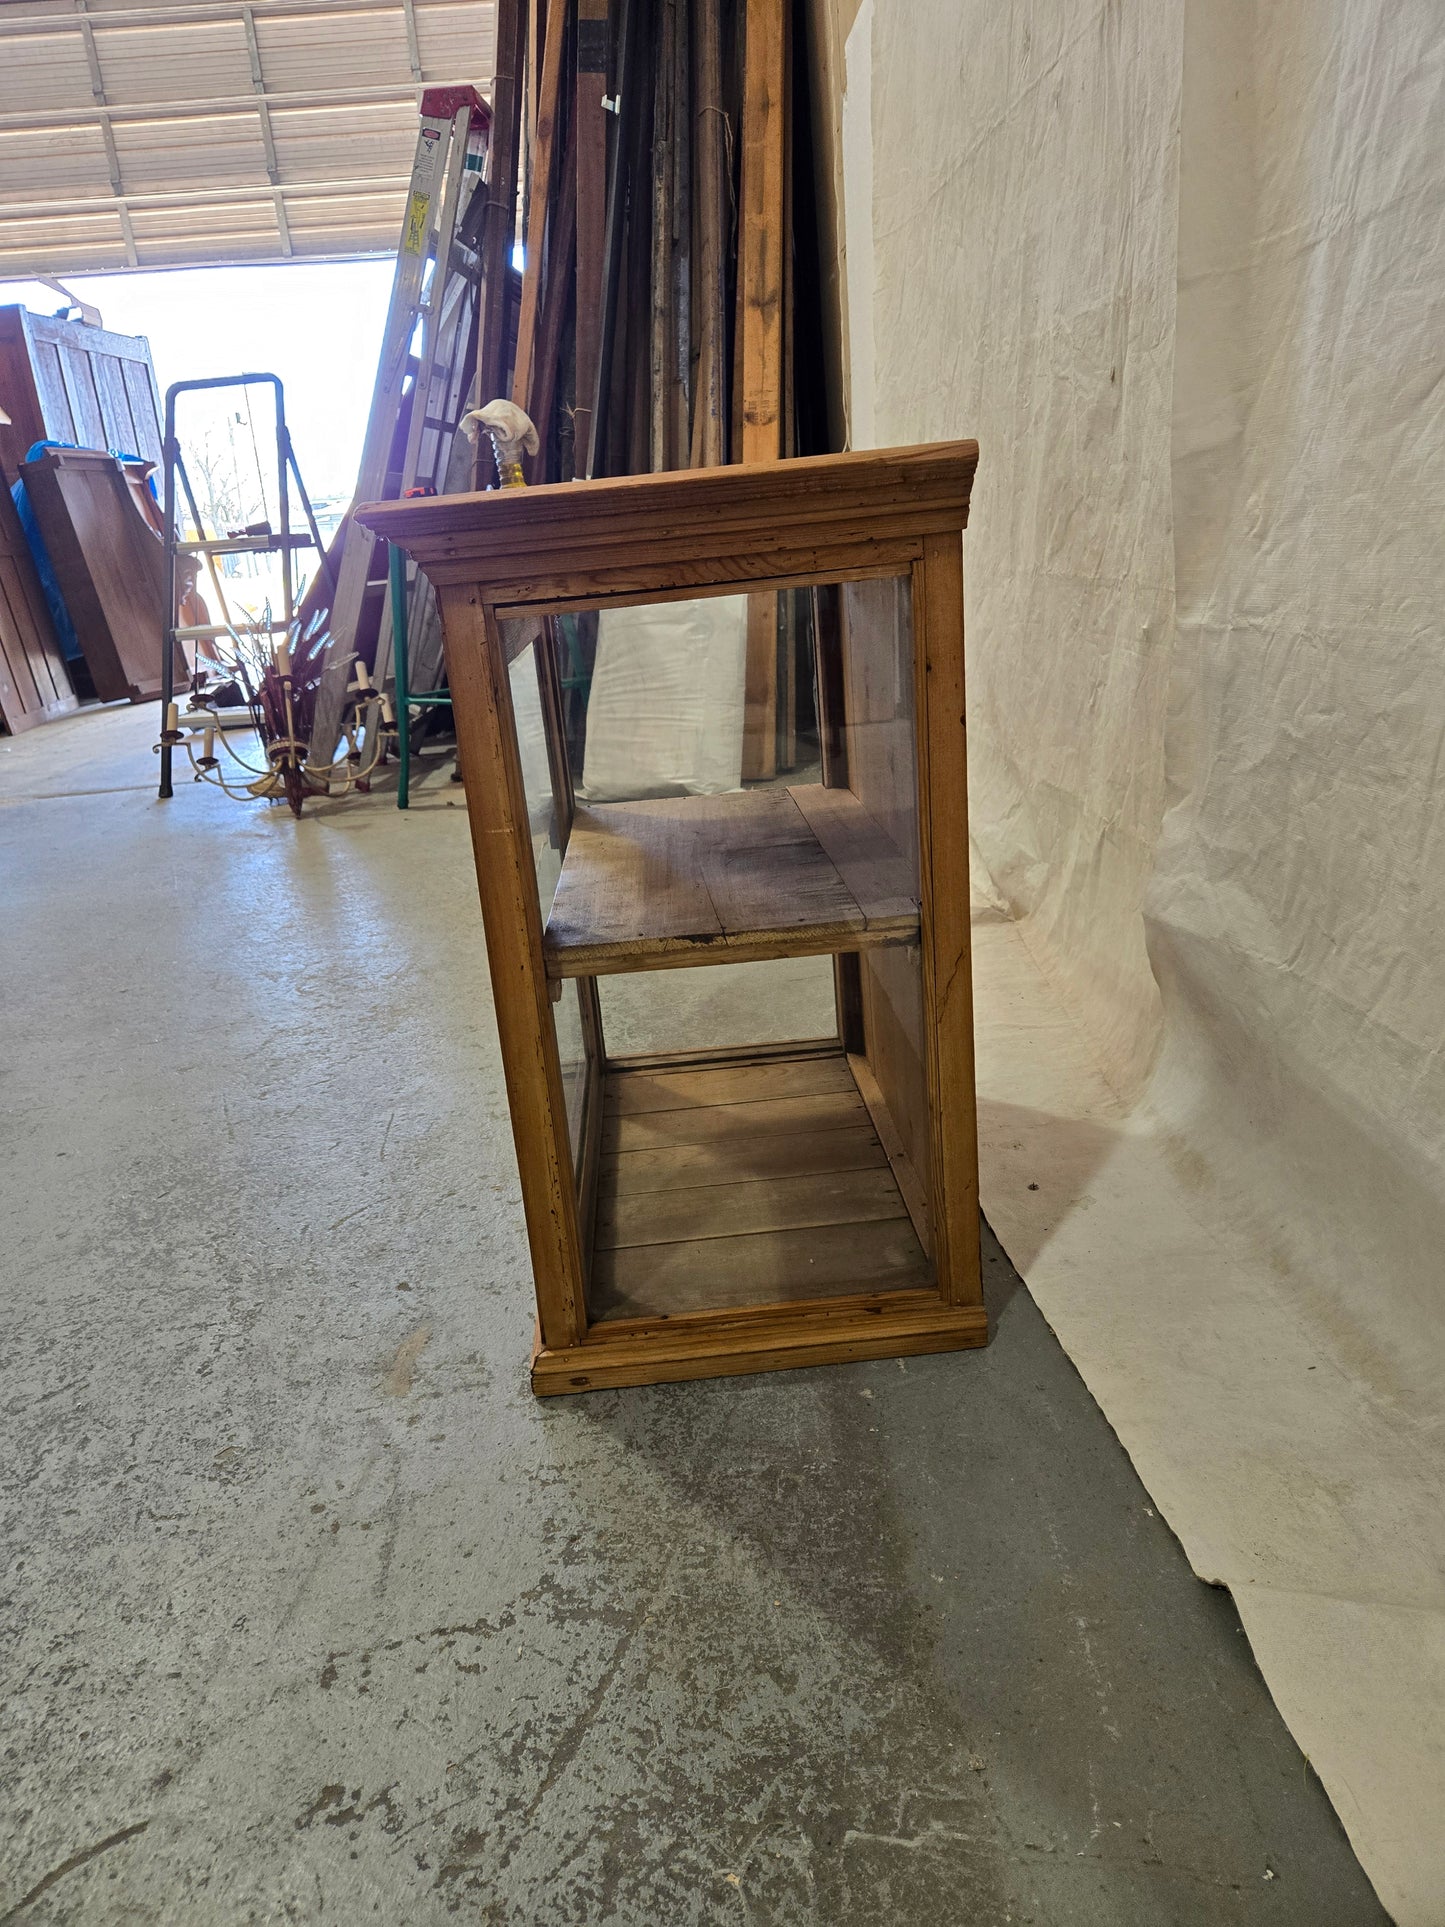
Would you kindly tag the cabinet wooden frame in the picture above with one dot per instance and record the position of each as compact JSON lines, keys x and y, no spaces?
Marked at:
{"x":893,"y":519}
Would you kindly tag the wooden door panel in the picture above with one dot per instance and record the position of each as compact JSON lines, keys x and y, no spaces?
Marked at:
{"x":109,"y":564}
{"x":34,"y":685}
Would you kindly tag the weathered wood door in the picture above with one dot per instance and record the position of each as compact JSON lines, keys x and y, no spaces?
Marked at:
{"x":34,"y":685}
{"x":61,"y":381}
{"x":109,"y":561}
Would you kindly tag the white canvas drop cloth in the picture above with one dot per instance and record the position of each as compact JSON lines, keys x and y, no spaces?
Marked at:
{"x":1181,"y":269}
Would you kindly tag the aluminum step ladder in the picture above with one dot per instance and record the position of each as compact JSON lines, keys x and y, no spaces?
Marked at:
{"x":422,"y":380}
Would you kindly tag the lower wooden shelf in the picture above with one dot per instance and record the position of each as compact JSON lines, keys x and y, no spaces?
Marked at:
{"x":748,"y":1219}
{"x":722,"y":879}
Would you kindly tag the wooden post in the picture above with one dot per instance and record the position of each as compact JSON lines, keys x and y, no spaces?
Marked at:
{"x":664,"y":137}
{"x":760,"y":277}
{"x":681,"y":387}
{"x":947,"y":947}
{"x":501,"y":192}
{"x":763,"y":227}
{"x":710,"y":406}
{"x":540,"y":194}
{"x":502,"y":842}
{"x":555,"y":302}
{"x":590,"y":172}
{"x":612,"y":325}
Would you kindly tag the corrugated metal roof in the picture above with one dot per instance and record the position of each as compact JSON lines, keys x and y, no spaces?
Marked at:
{"x":192,"y":131}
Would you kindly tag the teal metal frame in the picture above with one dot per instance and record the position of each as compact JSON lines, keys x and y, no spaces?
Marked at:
{"x":577,"y":678}
{"x":406,"y":698}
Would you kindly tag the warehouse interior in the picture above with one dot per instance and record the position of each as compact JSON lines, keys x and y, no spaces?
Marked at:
{"x":315,"y":1608}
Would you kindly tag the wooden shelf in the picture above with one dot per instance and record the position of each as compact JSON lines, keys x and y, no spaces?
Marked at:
{"x":659,"y":884}
{"x":745,"y":1185}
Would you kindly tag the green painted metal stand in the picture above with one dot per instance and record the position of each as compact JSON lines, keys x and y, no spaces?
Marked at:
{"x":406,"y":698}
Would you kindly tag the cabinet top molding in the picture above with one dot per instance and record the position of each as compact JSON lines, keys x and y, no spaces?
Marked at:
{"x":750,"y":521}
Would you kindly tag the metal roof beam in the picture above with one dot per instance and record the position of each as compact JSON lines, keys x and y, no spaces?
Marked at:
{"x":258,"y":81}
{"x":158,"y":199}
{"x":120,"y":113}
{"x":200,"y":107}
{"x":413,"y":47}
{"x":107,"y":132}
{"x":200,"y":13}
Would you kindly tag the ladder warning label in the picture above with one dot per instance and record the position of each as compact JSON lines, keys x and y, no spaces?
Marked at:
{"x":414,"y":239}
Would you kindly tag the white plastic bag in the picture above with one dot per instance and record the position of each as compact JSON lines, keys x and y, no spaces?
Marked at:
{"x":665,"y":712}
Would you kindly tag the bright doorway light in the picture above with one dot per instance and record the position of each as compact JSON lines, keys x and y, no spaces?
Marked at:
{"x":316,"y":325}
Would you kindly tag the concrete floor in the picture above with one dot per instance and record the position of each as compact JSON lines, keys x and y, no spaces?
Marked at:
{"x":312,"y":1614}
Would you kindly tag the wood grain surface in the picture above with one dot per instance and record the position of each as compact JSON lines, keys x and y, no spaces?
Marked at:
{"x":679,"y":881}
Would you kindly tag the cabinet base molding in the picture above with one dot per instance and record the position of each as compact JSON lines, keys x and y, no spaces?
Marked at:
{"x":714,"y":1345}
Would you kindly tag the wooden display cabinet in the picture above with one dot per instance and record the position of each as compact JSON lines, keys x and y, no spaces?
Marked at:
{"x":714,"y":1211}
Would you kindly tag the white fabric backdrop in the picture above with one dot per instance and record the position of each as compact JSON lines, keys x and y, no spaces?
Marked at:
{"x":1024,"y":293}
{"x":1180,"y":269}
{"x":1297,"y":911}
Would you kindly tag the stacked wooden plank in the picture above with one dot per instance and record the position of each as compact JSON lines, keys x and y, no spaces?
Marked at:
{"x":642,"y":155}
{"x":640,"y":149}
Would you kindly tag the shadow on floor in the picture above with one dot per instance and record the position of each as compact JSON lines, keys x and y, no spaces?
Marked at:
{"x":1021,"y":1704}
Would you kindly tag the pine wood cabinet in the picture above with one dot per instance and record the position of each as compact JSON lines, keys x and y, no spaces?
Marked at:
{"x":705,"y":1212}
